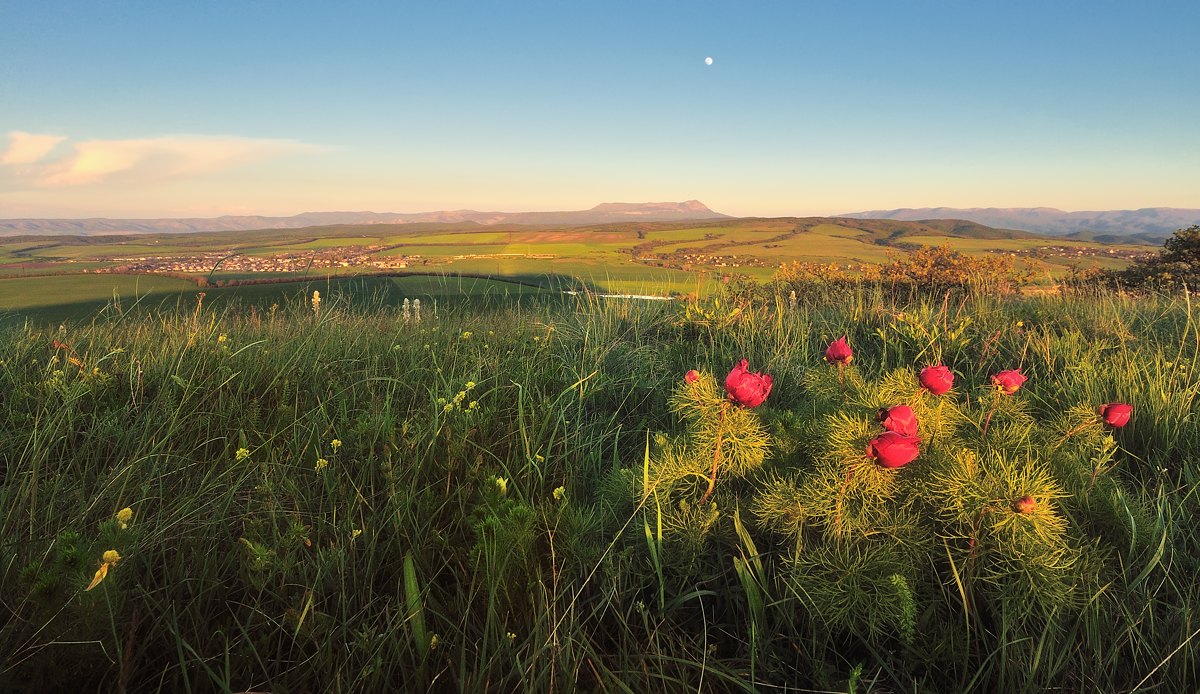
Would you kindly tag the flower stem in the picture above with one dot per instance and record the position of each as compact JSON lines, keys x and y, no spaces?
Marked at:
{"x":1071,"y":433}
{"x":712,"y":480}
{"x":988,"y":420}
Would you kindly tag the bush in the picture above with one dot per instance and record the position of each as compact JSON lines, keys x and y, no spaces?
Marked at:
{"x":1176,"y":266}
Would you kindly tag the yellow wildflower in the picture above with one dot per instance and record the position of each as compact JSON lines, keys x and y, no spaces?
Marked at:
{"x":222,"y":338}
{"x":111,"y":557}
{"x":355,"y":533}
{"x":467,"y":335}
{"x":433,"y":641}
{"x":502,"y":485}
{"x":241,"y":455}
{"x":470,"y":385}
{"x":335,"y":444}
{"x":322,"y":463}
{"x":560,"y":493}
{"x":124,"y":516}
{"x":511,"y":636}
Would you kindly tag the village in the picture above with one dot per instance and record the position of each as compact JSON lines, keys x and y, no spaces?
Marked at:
{"x":339,"y":257}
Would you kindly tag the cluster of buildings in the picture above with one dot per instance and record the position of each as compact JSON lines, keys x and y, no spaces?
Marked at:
{"x":689,"y":260}
{"x":351,"y":256}
{"x":1079,"y":252}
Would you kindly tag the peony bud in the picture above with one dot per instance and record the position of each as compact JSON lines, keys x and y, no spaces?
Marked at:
{"x":1025,"y":504}
{"x":839,"y":352}
{"x":900,"y":419}
{"x":1009,"y":381}
{"x":692,"y":376}
{"x":1116,"y":414}
{"x":745,"y":388}
{"x":893,"y":450}
{"x":937,"y":379}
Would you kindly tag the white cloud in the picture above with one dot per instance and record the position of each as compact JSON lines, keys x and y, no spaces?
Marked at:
{"x":137,"y":160}
{"x":27,"y":148}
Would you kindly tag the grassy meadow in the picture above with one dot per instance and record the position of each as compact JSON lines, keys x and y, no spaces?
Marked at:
{"x":512,"y":496}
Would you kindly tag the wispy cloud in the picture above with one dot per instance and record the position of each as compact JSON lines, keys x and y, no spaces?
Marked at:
{"x":27,"y":148}
{"x":30,"y":158}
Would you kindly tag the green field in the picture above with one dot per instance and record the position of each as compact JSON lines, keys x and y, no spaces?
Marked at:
{"x":527,"y":494}
{"x":42,"y":299}
{"x":601,"y":257}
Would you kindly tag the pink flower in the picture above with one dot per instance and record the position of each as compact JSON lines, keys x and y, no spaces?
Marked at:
{"x":900,"y":419}
{"x":692,"y":376}
{"x":1025,"y":505}
{"x":1116,"y":414}
{"x":937,"y":379}
{"x":745,"y":388}
{"x":893,"y":450}
{"x":839,"y":352}
{"x":1009,"y":381}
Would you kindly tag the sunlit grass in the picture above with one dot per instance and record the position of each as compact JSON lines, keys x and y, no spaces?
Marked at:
{"x":314,"y":499}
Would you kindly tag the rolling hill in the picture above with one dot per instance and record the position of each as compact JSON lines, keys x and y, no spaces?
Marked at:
{"x":600,"y":214}
{"x":1147,"y":225}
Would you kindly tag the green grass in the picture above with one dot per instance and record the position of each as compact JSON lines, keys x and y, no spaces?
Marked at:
{"x":267,"y":570}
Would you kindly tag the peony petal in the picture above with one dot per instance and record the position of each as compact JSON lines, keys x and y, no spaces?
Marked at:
{"x":100,"y":574}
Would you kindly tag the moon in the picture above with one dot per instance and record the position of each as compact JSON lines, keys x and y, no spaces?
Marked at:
{"x":708,"y":60}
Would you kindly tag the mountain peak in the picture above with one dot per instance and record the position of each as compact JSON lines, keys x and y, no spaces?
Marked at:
{"x":634,"y":207}
{"x":604,"y":213}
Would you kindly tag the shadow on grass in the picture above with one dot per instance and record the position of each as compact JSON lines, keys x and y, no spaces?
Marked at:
{"x":363,"y":291}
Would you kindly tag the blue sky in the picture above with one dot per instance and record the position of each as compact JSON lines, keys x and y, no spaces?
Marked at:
{"x":163,"y":108}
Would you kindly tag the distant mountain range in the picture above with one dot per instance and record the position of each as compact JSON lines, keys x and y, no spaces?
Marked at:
{"x":1148,"y":225}
{"x":604,"y":213}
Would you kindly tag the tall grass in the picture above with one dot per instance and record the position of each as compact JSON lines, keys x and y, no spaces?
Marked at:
{"x":464,"y":534}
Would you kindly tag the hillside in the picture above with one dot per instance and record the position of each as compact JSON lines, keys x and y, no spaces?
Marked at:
{"x":1147,"y":225}
{"x":74,"y":272}
{"x":600,"y":214}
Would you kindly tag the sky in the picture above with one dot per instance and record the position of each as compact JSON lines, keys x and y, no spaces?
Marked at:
{"x":147,"y":109}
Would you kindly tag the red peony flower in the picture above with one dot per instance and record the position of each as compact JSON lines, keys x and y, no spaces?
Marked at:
{"x":900,"y":419}
{"x":745,"y":388}
{"x":892,"y":450}
{"x":692,"y":376}
{"x":1025,"y":504}
{"x":937,"y":379}
{"x":1116,"y":414}
{"x":1009,"y":381}
{"x":839,"y":352}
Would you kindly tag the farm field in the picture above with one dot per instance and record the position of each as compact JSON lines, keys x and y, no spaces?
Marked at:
{"x":519,"y":494}
{"x":651,"y":258}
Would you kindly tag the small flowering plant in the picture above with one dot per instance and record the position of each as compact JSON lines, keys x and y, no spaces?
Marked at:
{"x":724,"y":434}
